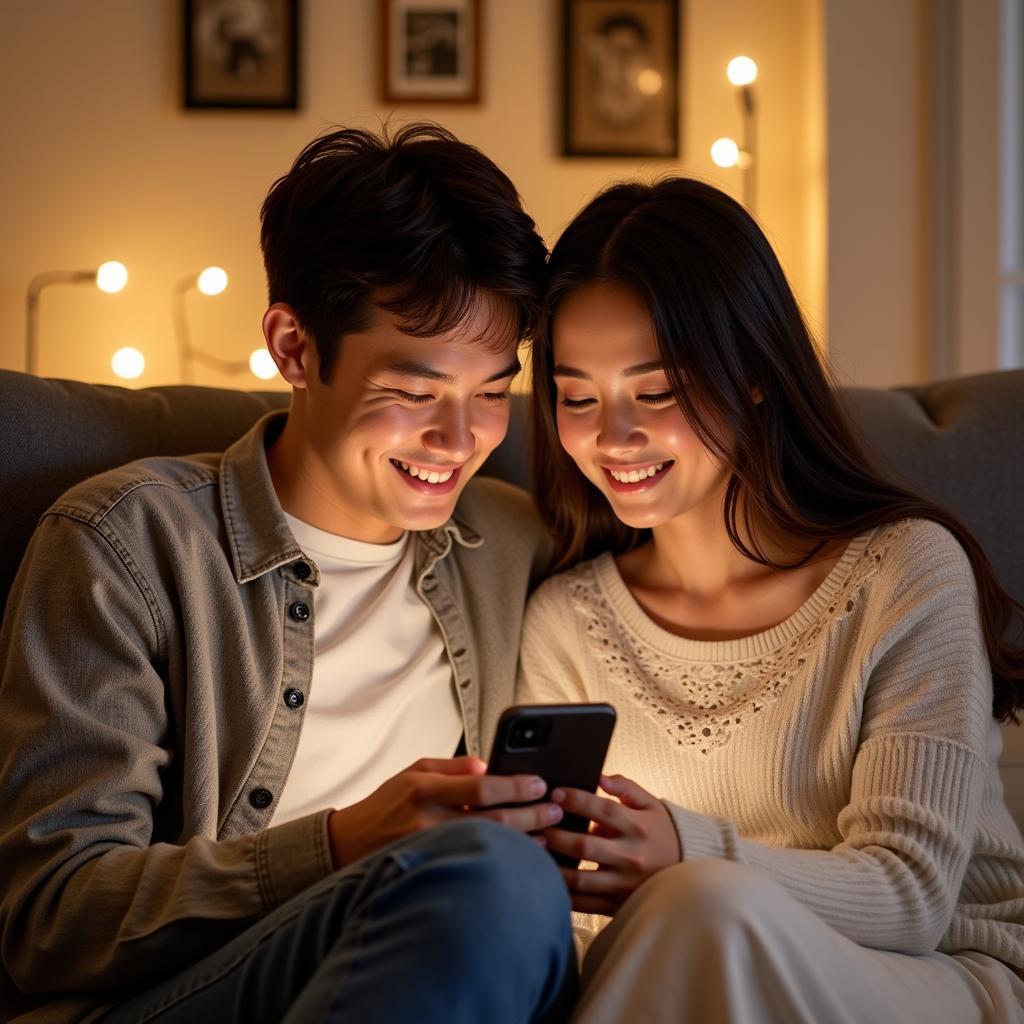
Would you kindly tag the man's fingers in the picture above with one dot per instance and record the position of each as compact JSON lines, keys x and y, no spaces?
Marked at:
{"x":497,"y":790}
{"x":480,"y":791}
{"x":464,"y":765}
{"x":532,"y":818}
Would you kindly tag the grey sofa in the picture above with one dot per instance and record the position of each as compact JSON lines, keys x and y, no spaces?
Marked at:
{"x":960,"y":441}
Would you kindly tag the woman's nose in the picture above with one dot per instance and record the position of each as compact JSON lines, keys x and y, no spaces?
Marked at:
{"x":618,"y":434}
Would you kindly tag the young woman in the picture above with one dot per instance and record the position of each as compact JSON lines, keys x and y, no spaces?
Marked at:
{"x":803,"y":820}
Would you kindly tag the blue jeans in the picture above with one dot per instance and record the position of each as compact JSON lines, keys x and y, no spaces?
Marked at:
{"x":464,"y":923}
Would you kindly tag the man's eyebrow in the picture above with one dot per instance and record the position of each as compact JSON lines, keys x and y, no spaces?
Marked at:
{"x":413,"y":369}
{"x":561,"y":370}
{"x":510,"y":371}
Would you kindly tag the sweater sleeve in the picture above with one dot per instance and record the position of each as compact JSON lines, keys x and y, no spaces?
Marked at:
{"x":918,"y":774}
{"x":92,"y":898}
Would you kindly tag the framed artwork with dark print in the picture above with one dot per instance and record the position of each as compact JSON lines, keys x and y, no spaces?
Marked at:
{"x":430,"y":50}
{"x":241,"y":54}
{"x":621,"y":77}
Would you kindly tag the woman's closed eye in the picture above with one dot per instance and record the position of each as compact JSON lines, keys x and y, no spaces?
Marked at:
{"x":576,"y":403}
{"x":657,"y":399}
{"x":660,"y":398}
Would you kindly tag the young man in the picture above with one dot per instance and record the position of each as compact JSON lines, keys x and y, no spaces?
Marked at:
{"x":234,"y":685}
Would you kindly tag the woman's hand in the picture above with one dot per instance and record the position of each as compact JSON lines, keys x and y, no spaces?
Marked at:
{"x":630,"y":838}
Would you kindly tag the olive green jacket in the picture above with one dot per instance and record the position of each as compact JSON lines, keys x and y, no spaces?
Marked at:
{"x":161,"y":613}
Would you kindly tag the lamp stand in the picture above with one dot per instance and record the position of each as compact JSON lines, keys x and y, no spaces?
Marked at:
{"x":35,"y":286}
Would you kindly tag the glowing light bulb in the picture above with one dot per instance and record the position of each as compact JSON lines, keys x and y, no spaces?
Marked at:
{"x":741,"y":71}
{"x":212,"y":281}
{"x":128,"y":363}
{"x":725,"y":152}
{"x":111,"y":276}
{"x":262,"y":364}
{"x":649,"y":82}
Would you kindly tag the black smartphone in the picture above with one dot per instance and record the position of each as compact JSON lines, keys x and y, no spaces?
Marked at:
{"x":565,"y":744}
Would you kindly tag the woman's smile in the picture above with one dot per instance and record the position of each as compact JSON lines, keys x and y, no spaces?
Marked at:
{"x":636,"y":478}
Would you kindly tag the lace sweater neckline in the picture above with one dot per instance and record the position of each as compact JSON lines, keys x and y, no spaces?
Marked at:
{"x":636,"y":620}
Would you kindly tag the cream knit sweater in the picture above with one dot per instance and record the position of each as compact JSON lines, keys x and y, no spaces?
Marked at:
{"x":849,"y":752}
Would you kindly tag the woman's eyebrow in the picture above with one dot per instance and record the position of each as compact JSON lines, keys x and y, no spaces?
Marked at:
{"x":561,"y":370}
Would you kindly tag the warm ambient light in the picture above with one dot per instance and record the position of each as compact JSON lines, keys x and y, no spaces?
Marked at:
{"x":212,"y":281}
{"x":262,"y":365}
{"x":128,"y":363}
{"x":741,"y":71}
{"x":649,"y":82}
{"x":111,"y":277}
{"x":725,"y":152}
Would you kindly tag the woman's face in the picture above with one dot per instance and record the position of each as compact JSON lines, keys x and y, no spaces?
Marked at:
{"x":617,"y":416}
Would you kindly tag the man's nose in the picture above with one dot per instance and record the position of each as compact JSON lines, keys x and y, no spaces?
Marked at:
{"x":451,"y":433}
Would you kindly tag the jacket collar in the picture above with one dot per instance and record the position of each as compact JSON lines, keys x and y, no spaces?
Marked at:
{"x":257,"y":530}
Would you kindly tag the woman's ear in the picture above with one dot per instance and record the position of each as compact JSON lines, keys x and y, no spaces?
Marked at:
{"x":288,"y":344}
{"x":755,"y":394}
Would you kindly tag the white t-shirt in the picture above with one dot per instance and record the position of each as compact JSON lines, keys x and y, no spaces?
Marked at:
{"x":382,"y":693}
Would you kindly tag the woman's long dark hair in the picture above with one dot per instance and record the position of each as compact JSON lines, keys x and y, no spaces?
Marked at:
{"x":733,"y":341}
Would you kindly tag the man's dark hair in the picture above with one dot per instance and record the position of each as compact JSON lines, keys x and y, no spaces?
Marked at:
{"x":418,"y":223}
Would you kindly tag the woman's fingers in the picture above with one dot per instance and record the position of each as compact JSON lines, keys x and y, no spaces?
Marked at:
{"x":608,"y":813}
{"x":588,"y":846}
{"x":627,"y":791}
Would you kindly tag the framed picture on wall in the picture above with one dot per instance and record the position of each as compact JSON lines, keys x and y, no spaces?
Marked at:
{"x":430,"y":51}
{"x":241,"y":54}
{"x":621,"y":77}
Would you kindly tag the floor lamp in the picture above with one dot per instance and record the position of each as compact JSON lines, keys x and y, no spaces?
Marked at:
{"x":109,"y":277}
{"x":211,"y":281}
{"x":742,"y":72}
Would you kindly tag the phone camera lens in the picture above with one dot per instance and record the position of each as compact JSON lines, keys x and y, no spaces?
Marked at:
{"x":529,"y":733}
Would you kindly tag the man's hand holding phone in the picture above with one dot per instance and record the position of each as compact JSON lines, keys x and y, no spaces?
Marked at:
{"x":432,"y":791}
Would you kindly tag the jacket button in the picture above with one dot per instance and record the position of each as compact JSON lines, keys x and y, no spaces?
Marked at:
{"x":294,"y":698}
{"x":261,"y":798}
{"x":303,"y":570}
{"x":299,"y":611}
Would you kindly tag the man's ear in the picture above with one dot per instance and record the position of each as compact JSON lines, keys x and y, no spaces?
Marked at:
{"x":289,"y":347}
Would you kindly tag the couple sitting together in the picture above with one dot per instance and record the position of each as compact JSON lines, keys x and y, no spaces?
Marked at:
{"x":246,"y":696}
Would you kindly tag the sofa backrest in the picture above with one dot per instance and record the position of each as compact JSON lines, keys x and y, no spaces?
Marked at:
{"x":960,"y":441}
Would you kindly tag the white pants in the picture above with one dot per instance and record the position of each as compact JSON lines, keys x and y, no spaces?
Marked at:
{"x":714,"y":942}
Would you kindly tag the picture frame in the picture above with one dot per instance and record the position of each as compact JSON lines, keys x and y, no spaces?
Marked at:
{"x":621,"y":77}
{"x":430,"y":51}
{"x":241,"y":54}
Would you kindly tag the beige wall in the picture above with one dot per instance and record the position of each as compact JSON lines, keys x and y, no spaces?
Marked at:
{"x":977,"y":207}
{"x":913,"y":188}
{"x":100,"y":162}
{"x":878,"y":231}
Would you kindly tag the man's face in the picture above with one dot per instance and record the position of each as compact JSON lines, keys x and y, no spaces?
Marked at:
{"x":404,"y":423}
